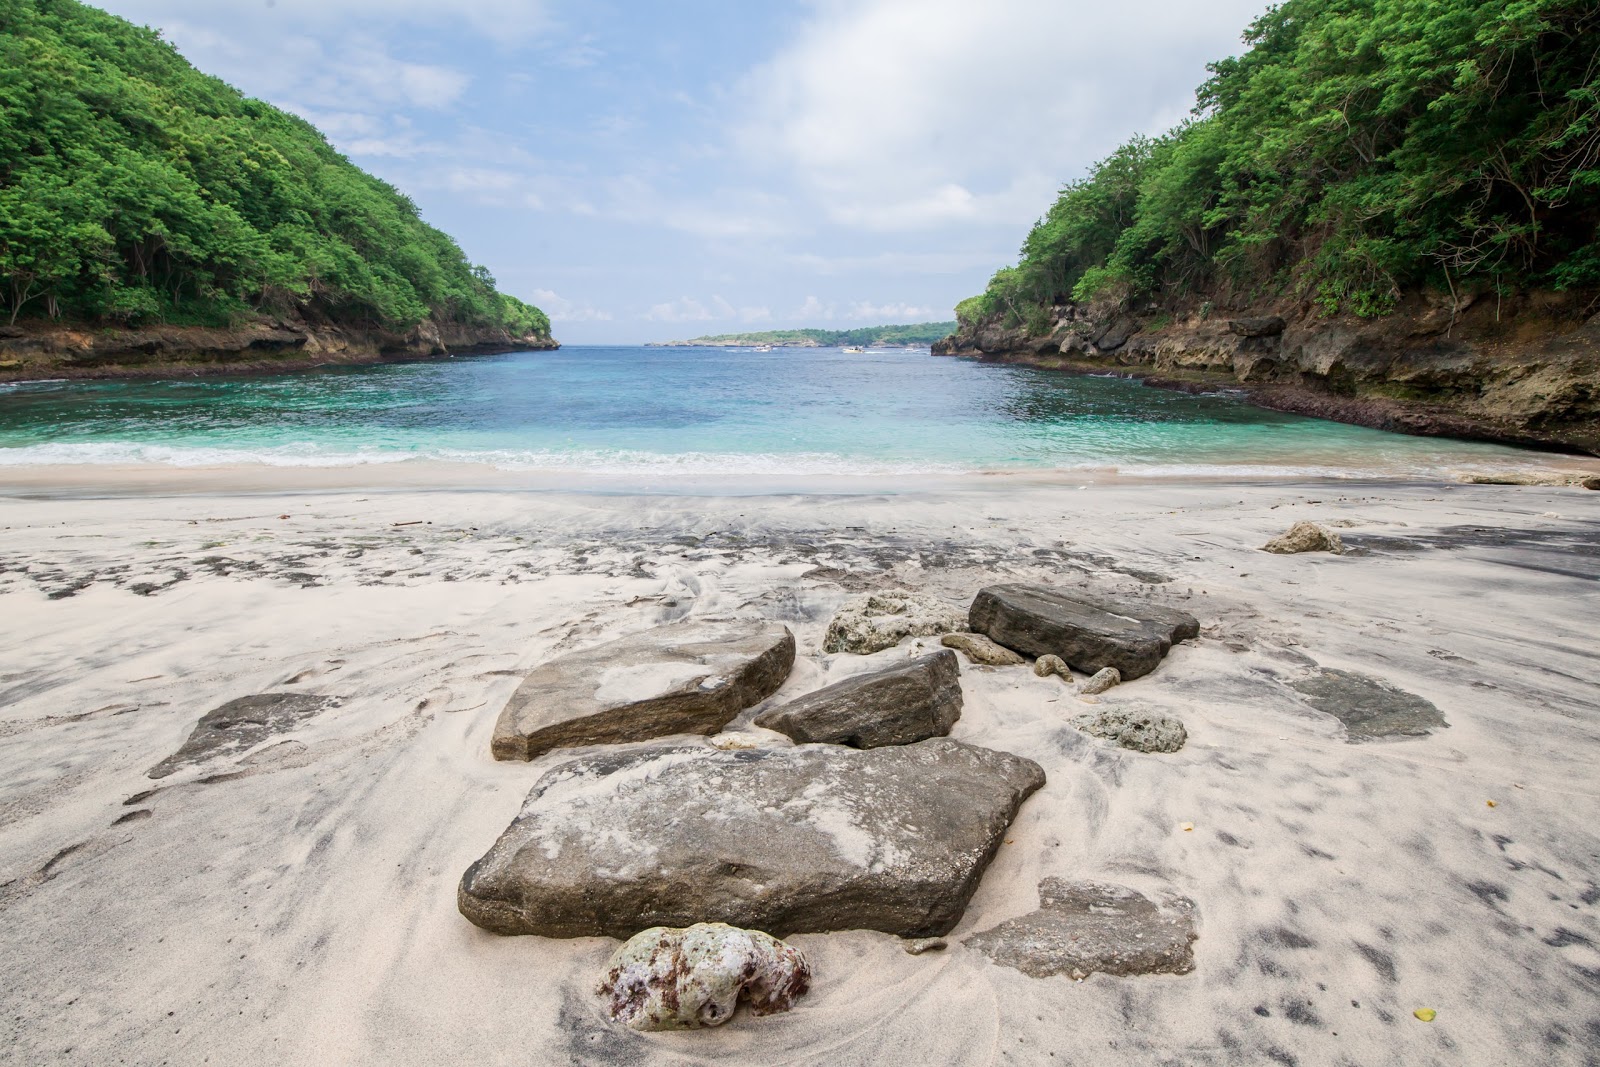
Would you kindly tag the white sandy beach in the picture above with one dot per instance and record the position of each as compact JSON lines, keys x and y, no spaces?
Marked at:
{"x":296,"y":904}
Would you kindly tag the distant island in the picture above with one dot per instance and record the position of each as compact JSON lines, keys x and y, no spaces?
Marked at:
{"x":923,"y":333}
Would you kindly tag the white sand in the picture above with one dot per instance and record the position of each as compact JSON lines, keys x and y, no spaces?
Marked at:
{"x":299,"y":906}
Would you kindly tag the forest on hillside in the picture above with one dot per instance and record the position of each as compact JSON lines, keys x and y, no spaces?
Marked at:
{"x":1358,"y":150}
{"x":135,"y":189}
{"x":922,"y":333}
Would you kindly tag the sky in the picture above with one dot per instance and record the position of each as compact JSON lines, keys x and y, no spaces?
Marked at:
{"x":649,"y":171}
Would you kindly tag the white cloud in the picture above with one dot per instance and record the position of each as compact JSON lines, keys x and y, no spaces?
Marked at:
{"x":893,"y":314}
{"x":498,"y":19}
{"x":919,"y":114}
{"x":560,"y":309}
{"x":686,"y":309}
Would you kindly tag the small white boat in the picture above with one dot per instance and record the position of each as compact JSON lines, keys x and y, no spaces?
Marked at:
{"x":763,"y":348}
{"x":855,"y":348}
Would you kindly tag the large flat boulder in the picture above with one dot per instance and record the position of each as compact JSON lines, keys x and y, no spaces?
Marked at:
{"x":900,"y":705}
{"x":1131,"y":636}
{"x":689,"y":677}
{"x":784,"y":840}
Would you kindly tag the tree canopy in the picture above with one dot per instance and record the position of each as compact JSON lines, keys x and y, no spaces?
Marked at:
{"x":134,"y":189}
{"x":1358,"y":149}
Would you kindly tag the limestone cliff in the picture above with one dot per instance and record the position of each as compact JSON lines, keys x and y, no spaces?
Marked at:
{"x":64,"y":351}
{"x":1525,"y":371}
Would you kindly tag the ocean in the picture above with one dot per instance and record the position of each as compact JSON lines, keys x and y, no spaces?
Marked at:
{"x":653,"y":417}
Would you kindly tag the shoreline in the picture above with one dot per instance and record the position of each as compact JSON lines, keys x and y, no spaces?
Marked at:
{"x":44,"y":481}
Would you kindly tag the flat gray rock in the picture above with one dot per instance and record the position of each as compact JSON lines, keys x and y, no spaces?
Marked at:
{"x":689,"y":677}
{"x":1087,"y":927}
{"x":1137,"y":728}
{"x":1370,"y":710}
{"x":785,"y":840}
{"x":1090,"y":634}
{"x":900,"y":705}
{"x":242,"y":724}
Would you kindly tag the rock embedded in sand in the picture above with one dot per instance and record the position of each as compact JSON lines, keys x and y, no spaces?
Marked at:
{"x":1109,"y":678}
{"x":665,"y":979}
{"x":1045,"y":666}
{"x":690,"y":677}
{"x":1139,"y":729}
{"x":1590,"y":483}
{"x":787,"y":840}
{"x":242,"y":724}
{"x":877,"y":621}
{"x":1088,"y":927}
{"x":980,"y":649}
{"x":899,"y":705}
{"x":1132,"y":636}
{"x":1305,"y":537}
{"x":1369,"y":709}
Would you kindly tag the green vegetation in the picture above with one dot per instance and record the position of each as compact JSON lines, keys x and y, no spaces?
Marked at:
{"x":1360,"y":149}
{"x":135,"y":189}
{"x":923,"y":333}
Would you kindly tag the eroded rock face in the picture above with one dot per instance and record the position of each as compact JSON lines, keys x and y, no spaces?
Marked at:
{"x":1305,"y":537}
{"x":242,"y":724}
{"x":1370,"y":709}
{"x":1089,"y":927}
{"x":877,"y":621}
{"x":787,"y":840}
{"x":980,"y":649}
{"x":665,"y":979}
{"x":1136,"y":728}
{"x":900,"y":705}
{"x":1088,"y":634}
{"x":690,"y":677}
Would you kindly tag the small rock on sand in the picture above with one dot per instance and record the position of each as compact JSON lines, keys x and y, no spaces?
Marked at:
{"x":1129,"y":634}
{"x":665,"y":979}
{"x":900,"y":705}
{"x":1081,"y":928}
{"x":690,"y":677}
{"x":877,"y":621}
{"x":1590,"y":483}
{"x":1139,"y":729}
{"x":1045,"y":666}
{"x":1305,"y":537}
{"x":980,"y":649}
{"x":926,"y":944}
{"x":1104,"y":680}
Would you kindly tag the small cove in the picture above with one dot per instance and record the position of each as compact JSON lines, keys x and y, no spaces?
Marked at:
{"x":652,"y":415}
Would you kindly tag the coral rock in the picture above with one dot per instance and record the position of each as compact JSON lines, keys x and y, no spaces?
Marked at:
{"x":665,"y":979}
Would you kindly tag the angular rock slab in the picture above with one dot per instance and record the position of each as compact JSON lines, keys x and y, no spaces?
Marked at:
{"x":902,"y":705}
{"x":786,"y":840}
{"x":1088,"y":927}
{"x":1091,"y":635}
{"x":689,"y":677}
{"x":241,"y":724}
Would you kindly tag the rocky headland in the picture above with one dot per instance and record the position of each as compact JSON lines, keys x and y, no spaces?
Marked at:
{"x":1521,"y":371}
{"x":39,"y":350}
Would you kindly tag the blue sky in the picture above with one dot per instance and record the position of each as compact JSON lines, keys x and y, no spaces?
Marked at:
{"x":653,"y":171}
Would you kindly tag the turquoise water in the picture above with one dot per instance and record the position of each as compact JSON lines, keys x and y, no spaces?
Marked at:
{"x":685,"y":411}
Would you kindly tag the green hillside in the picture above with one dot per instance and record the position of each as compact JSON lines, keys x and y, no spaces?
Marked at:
{"x":1358,"y":150}
{"x":134,"y":189}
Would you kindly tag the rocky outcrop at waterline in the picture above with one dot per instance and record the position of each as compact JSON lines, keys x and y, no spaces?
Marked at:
{"x":30,"y":351}
{"x":1521,"y":371}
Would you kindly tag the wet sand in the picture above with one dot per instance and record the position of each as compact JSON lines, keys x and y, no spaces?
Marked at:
{"x":295,"y":902}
